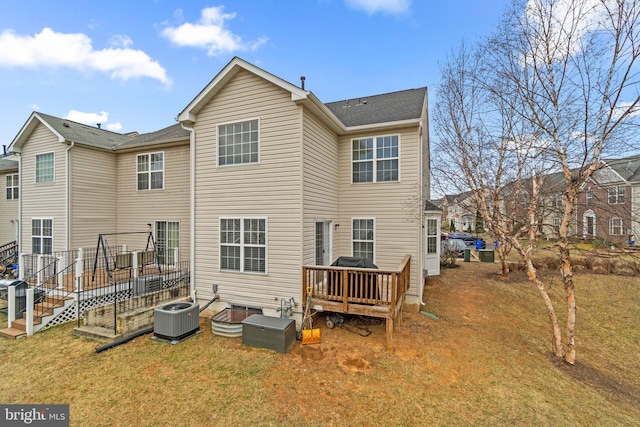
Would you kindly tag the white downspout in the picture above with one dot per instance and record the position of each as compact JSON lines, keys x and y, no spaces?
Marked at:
{"x":422,"y":230}
{"x":67,"y":209}
{"x":20,"y":191}
{"x":192,"y":204}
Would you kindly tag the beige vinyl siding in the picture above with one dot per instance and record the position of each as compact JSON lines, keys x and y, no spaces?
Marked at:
{"x":395,"y":206}
{"x":8,"y":212}
{"x":137,"y":208}
{"x":43,"y":199}
{"x":93,"y":195}
{"x":320,"y":183}
{"x":270,"y":189}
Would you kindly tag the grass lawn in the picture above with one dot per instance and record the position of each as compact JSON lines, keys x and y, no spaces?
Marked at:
{"x":485,"y":361}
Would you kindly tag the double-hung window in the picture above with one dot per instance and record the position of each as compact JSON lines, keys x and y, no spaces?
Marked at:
{"x":432,"y":236}
{"x":150,"y":169}
{"x":45,"y":167}
{"x":375,"y":159}
{"x":363,"y":238}
{"x":617,"y":195}
{"x":41,"y":235}
{"x":13,"y":186}
{"x":243,"y":244}
{"x":238,"y":143}
{"x":615,"y":226}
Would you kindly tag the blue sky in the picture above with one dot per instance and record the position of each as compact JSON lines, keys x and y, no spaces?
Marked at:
{"x":134,"y":65}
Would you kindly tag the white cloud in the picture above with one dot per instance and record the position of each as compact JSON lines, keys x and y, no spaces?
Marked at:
{"x":120,"y":40}
{"x":87,"y":118}
{"x":114,"y":127}
{"x":93,"y":119}
{"x":210,"y":33}
{"x":394,"y":7}
{"x":562,"y":26}
{"x":52,"y":49}
{"x":35,"y":107}
{"x":626,"y":107}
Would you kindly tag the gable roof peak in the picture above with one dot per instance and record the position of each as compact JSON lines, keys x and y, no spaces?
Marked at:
{"x":190,"y":112}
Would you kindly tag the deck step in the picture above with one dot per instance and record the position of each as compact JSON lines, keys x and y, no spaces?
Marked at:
{"x":11,"y":333}
{"x":21,"y":324}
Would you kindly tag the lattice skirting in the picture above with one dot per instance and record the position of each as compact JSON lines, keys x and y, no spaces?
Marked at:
{"x":69,"y":313}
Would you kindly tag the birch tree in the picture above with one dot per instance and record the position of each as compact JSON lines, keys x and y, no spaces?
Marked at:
{"x":568,"y":70}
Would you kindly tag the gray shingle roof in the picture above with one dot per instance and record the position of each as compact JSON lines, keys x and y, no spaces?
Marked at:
{"x":84,"y":134}
{"x":627,"y":167}
{"x":101,"y":138}
{"x":170,"y":133}
{"x":389,"y":107}
{"x":8,"y":165}
{"x":430,"y":206}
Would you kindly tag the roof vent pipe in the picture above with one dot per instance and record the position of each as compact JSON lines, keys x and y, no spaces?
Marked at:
{"x":4,"y":148}
{"x":302,"y":79}
{"x":99,"y":124}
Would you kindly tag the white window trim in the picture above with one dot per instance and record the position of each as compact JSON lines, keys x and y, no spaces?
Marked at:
{"x":436,"y":235}
{"x":375,"y":159}
{"x":242,"y":245}
{"x":611,"y":233}
{"x":12,"y":186}
{"x":167,"y":221}
{"x":259,"y":142}
{"x":164,"y":166}
{"x":41,"y":236}
{"x":617,"y":195}
{"x":328,"y":244}
{"x":374,"y":235}
{"x":35,"y":167}
{"x":588,"y":214}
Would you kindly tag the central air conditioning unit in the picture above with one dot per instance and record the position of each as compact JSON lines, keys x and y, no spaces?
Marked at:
{"x":146,"y":284}
{"x":176,"y":321}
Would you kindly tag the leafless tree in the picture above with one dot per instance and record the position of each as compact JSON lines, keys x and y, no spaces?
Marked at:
{"x":566,"y":73}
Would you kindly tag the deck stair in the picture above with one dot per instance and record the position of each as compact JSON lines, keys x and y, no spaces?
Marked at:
{"x":49,"y":308}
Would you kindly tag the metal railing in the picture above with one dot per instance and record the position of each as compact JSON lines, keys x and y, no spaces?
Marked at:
{"x":125,"y":284}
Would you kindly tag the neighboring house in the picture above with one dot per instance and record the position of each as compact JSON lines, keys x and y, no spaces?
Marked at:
{"x":460,"y":209}
{"x":9,"y":226}
{"x":258,"y":179}
{"x":79,"y":181}
{"x":608,"y":204}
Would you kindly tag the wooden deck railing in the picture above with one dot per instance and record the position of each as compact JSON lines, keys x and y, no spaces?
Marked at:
{"x":357,"y":285}
{"x":363,"y":291}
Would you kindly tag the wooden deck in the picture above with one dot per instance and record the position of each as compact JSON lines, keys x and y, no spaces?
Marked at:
{"x":360,"y":291}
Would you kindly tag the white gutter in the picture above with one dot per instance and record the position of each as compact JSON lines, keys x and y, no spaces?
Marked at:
{"x":192,"y":204}
{"x":67,"y":209}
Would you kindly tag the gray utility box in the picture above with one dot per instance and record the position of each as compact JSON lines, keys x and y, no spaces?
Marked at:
{"x":274,"y":333}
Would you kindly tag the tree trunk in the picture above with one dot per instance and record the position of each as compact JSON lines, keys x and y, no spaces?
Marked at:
{"x":569,"y":290}
{"x":555,"y":326}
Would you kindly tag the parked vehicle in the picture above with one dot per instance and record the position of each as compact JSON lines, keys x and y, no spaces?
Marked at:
{"x":457,"y":245}
{"x":468,"y":238}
